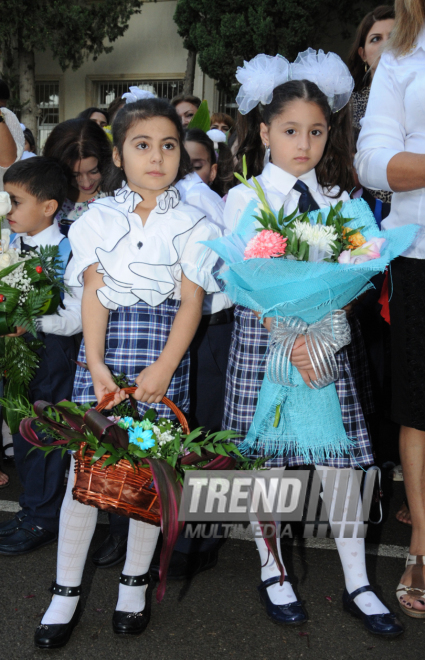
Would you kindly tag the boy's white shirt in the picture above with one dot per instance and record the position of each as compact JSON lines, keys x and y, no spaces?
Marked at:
{"x":67,"y":321}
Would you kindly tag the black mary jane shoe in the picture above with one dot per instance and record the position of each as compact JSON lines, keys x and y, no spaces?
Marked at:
{"x":55,"y":635}
{"x":132,"y":623}
{"x":386,"y":625}
{"x":292,"y":614}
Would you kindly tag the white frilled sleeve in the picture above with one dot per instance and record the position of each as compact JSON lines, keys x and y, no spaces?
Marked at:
{"x":383,"y":130}
{"x":198,"y":261}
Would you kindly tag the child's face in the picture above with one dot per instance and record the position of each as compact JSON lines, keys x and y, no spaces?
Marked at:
{"x":151,"y":155}
{"x":297,"y":137}
{"x":201,"y":163}
{"x":28,"y":215}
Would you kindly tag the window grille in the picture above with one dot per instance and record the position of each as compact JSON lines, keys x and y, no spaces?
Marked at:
{"x":47,"y":97}
{"x":109,"y":91}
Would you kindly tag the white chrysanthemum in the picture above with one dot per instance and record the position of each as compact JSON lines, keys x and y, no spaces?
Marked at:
{"x":317,"y":236}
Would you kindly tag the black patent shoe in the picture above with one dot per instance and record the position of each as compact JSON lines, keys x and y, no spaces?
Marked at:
{"x":111,"y":552}
{"x":55,"y":635}
{"x":132,"y":623}
{"x":292,"y":614}
{"x":386,"y":625}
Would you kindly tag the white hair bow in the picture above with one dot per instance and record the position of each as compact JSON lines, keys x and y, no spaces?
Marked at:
{"x":137,"y":94}
{"x":261,"y":75}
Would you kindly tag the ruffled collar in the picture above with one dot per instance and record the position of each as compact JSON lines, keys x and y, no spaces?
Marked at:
{"x":169,"y":199}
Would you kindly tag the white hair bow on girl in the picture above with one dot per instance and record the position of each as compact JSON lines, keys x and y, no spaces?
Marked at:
{"x":137,"y":94}
{"x":261,"y":75}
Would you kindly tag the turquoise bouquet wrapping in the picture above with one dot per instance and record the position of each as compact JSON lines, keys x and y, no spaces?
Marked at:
{"x":291,"y":417}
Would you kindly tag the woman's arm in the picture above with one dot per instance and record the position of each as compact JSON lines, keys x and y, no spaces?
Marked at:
{"x":381,"y":152}
{"x":95,"y":320}
{"x":153,"y":381}
{"x":406,"y":171}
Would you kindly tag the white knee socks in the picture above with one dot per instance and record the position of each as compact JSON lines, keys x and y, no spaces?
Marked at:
{"x":352,"y":550}
{"x":76,"y":529}
{"x":142,"y":540}
{"x":279,"y":595}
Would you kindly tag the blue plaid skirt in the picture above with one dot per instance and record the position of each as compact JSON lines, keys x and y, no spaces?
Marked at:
{"x":245,"y":373}
{"x":135,"y":338}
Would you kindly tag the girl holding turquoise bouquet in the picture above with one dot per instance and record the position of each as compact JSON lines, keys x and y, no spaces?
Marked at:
{"x":299,"y":114}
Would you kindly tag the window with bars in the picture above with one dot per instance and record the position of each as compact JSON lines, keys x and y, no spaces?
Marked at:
{"x":109,"y":91}
{"x":227,"y":104}
{"x":47,"y":97}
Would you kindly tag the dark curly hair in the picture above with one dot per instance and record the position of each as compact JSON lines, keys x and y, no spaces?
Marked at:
{"x":129,"y":115}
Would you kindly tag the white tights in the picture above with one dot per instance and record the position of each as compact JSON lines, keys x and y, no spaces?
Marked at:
{"x":76,"y":529}
{"x":351,"y":552}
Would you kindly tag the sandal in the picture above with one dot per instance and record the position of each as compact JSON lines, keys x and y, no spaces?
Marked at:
{"x":414,"y":574}
{"x":403,"y":514}
{"x":6,"y":483}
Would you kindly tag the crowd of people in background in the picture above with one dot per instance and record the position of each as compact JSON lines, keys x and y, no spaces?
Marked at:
{"x":221,"y":347}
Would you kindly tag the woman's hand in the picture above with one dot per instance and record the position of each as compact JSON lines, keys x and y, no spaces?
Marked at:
{"x":153,"y":382}
{"x":103,"y":384}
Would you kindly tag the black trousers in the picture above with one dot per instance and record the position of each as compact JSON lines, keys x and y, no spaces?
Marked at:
{"x":209,"y":354}
{"x":42,"y":477}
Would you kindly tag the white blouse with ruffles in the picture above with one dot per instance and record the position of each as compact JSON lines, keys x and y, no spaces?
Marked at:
{"x":143,"y":262}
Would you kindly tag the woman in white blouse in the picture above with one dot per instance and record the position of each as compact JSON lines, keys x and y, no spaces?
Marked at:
{"x":391,"y":156}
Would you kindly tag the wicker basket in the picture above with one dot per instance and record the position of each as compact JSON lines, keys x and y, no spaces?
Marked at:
{"x":119,"y":488}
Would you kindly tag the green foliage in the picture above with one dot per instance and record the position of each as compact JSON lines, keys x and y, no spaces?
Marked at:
{"x":72,"y":29}
{"x":201,"y":119}
{"x":20,"y":361}
{"x":224,"y":33}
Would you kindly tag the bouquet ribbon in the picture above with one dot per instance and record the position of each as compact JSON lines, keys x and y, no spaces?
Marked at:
{"x":323,"y":339}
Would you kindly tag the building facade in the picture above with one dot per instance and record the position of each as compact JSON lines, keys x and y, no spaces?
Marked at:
{"x":150,"y":54}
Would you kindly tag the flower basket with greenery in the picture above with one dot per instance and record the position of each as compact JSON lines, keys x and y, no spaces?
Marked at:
{"x":127,"y":465}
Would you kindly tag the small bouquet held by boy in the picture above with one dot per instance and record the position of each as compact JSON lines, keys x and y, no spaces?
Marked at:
{"x":301,"y":270}
{"x":31,"y":286}
{"x":127,"y":464}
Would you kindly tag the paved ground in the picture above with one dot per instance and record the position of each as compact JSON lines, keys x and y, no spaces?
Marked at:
{"x":218,"y":614}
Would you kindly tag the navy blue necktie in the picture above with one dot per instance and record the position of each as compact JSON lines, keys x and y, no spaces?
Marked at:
{"x":27,"y":248}
{"x":307,"y":201}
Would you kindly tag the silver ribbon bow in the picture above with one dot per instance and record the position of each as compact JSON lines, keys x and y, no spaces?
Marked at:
{"x":323,"y":339}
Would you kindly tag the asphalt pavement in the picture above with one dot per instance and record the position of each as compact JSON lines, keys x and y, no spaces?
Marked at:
{"x":217,"y":614}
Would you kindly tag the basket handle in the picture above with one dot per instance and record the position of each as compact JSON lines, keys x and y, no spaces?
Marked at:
{"x":172,"y":406}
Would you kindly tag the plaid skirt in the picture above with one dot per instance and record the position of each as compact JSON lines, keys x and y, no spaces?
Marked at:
{"x":135,"y":338}
{"x":245,"y":373}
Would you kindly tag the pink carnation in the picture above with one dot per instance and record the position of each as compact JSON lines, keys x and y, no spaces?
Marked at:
{"x":266,"y":244}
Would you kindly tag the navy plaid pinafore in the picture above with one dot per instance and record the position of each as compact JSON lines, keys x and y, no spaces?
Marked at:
{"x":245,"y":373}
{"x":135,"y":338}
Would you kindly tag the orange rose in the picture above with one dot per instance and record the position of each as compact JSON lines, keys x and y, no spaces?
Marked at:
{"x":356,"y":240}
